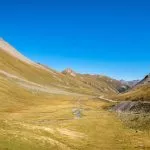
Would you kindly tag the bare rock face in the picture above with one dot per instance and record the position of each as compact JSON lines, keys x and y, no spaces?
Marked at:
{"x":69,"y":72}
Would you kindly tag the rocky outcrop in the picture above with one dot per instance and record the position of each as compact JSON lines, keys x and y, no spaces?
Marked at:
{"x":132,"y":106}
{"x":69,"y":72}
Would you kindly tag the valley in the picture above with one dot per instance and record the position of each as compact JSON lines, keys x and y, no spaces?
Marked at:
{"x":52,"y":125}
{"x":43,"y":109}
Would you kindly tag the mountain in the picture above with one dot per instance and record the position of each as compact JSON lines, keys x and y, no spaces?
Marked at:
{"x":140,"y":91}
{"x":69,"y":71}
{"x":130,"y":83}
{"x":144,"y":81}
{"x":41,"y":108}
{"x":105,"y":85}
{"x":33,"y":76}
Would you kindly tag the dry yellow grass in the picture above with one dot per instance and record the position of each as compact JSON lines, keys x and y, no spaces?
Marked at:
{"x":52,"y":125}
{"x":34,"y":119}
{"x":141,"y":93}
{"x":92,"y":85}
{"x":46,"y":121}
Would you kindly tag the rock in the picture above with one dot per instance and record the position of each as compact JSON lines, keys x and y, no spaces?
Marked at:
{"x":132,"y":106}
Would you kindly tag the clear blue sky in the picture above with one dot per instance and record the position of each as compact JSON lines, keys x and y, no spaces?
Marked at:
{"x":110,"y":37}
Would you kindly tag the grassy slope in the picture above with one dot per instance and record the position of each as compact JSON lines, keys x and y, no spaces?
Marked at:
{"x":46,"y":121}
{"x":138,"y":93}
{"x":51,"y":77}
{"x":52,"y":125}
{"x":102,"y":83}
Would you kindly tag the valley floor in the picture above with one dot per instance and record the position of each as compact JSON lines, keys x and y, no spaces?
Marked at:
{"x":76,"y":123}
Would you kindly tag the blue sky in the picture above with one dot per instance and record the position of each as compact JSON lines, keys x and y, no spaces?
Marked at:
{"x":110,"y":37}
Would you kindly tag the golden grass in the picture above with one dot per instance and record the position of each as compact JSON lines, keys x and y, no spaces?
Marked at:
{"x":141,"y":93}
{"x":88,"y":84}
{"x":50,"y":124}
{"x":43,"y":121}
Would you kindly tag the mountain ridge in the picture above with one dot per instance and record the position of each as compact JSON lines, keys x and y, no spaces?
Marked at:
{"x":14,"y":63}
{"x":140,"y":91}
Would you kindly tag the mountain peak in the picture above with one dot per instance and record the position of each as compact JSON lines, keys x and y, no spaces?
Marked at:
{"x":147,"y":77}
{"x":70,"y":72}
{"x":145,"y":80}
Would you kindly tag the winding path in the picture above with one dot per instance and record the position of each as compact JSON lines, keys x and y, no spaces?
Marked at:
{"x":108,"y":100}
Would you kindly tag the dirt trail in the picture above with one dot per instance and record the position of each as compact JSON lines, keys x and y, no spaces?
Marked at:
{"x":106,"y":99}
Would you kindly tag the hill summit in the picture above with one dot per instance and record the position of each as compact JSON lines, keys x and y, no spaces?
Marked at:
{"x":144,"y":81}
{"x":69,"y":71}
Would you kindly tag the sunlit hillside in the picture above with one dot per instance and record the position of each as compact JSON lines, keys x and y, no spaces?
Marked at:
{"x":42,"y":109}
{"x":140,"y":93}
{"x":16,"y":66}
